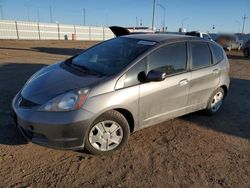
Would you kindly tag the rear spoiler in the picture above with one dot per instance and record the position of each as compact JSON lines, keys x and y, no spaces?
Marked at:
{"x":120,"y":31}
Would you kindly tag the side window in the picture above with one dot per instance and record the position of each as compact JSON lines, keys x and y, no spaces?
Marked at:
{"x":217,"y":51}
{"x":170,"y":59}
{"x":201,"y":55}
{"x":206,"y":36}
{"x":131,"y":78}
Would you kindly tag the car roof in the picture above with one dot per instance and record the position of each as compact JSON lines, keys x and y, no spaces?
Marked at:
{"x":160,"y":37}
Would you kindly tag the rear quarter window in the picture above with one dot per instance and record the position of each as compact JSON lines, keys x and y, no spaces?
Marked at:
{"x":201,"y":55}
{"x":217,"y":52}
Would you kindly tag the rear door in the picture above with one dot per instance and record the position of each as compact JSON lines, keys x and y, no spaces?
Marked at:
{"x":204,"y":75}
{"x":168,"y":98}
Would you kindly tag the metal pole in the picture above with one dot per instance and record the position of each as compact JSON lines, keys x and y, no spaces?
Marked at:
{"x":136,"y":22}
{"x":107,"y":19}
{"x":17,"y":33}
{"x":239,"y":25}
{"x":28,"y":12}
{"x":164,"y":15}
{"x":244,"y":19}
{"x":213,"y":29}
{"x":58,"y":30}
{"x":84,"y":16}
{"x":1,"y":8}
{"x":182,"y":22}
{"x":103,"y":33}
{"x":153,"y":19}
{"x":75,"y":29}
{"x":50,"y":11}
{"x":38,"y":15}
{"x":38,"y":27}
{"x":164,"y":18}
{"x":89,"y":32}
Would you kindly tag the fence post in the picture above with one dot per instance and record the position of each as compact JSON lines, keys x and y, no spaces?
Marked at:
{"x":58,"y":30}
{"x":89,"y":32}
{"x":103,"y":33}
{"x":38,"y":27}
{"x":75,"y":32}
{"x":17,"y":33}
{"x":75,"y":29}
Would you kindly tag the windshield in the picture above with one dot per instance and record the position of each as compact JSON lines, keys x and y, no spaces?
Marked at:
{"x":112,"y":56}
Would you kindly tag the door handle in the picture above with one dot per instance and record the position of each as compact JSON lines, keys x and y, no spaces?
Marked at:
{"x":183,"y":82}
{"x":216,"y":71}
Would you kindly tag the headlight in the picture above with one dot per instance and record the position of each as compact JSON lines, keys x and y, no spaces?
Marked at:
{"x":72,"y":100}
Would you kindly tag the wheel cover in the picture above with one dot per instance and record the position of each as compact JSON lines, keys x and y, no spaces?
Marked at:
{"x":217,"y":101}
{"x":106,"y":135}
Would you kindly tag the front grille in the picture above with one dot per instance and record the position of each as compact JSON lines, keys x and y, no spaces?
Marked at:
{"x":22,"y":102}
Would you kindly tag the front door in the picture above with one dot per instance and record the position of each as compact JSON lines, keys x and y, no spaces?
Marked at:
{"x":162,"y":100}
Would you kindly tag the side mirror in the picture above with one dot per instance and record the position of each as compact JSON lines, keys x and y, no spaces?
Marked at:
{"x":156,"y":76}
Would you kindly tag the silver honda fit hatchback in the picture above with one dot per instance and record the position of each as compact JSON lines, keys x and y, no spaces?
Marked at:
{"x":96,"y":99}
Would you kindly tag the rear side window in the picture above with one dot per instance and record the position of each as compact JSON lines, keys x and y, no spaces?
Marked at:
{"x":206,"y":37}
{"x":217,"y":51}
{"x":201,"y":55}
{"x":170,"y":59}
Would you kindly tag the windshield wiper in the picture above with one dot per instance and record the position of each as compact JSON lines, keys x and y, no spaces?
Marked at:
{"x":69,"y":61}
{"x":87,"y":69}
{"x":81,"y":68}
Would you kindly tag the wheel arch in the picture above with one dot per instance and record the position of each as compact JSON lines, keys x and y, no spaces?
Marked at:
{"x":129,"y":117}
{"x":224,"y":87}
{"x":123,"y":111}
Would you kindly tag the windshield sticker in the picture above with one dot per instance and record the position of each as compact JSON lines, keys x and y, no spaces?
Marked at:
{"x":144,"y":42}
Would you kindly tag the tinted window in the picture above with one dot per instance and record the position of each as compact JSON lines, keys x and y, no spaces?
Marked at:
{"x":170,"y":59}
{"x":132,"y":75}
{"x":193,"y":34}
{"x":206,"y":36}
{"x":217,"y":51}
{"x":201,"y":55}
{"x":112,"y":56}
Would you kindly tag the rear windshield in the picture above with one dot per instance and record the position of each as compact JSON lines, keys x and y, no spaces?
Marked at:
{"x":112,"y":56}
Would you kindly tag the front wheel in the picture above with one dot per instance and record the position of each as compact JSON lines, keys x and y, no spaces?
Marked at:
{"x":216,"y":101}
{"x":108,"y":133}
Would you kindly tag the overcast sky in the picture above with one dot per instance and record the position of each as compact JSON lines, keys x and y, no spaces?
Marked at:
{"x":225,"y":15}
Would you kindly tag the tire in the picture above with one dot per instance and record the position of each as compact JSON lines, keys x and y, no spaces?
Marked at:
{"x":246,"y":53}
{"x":108,"y":133}
{"x":211,"y":107}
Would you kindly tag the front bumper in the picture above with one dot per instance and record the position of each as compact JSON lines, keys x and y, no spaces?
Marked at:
{"x":61,"y":130}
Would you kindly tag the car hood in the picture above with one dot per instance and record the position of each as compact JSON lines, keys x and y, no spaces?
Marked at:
{"x":54,"y":80}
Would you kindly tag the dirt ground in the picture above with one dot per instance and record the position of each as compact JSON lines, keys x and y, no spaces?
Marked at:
{"x":190,"y":151}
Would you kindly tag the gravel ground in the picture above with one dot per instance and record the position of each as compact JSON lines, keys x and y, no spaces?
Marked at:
{"x":191,"y":151}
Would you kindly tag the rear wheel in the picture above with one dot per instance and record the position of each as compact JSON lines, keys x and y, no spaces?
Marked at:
{"x":108,"y":133}
{"x":246,"y":52}
{"x":216,"y":101}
